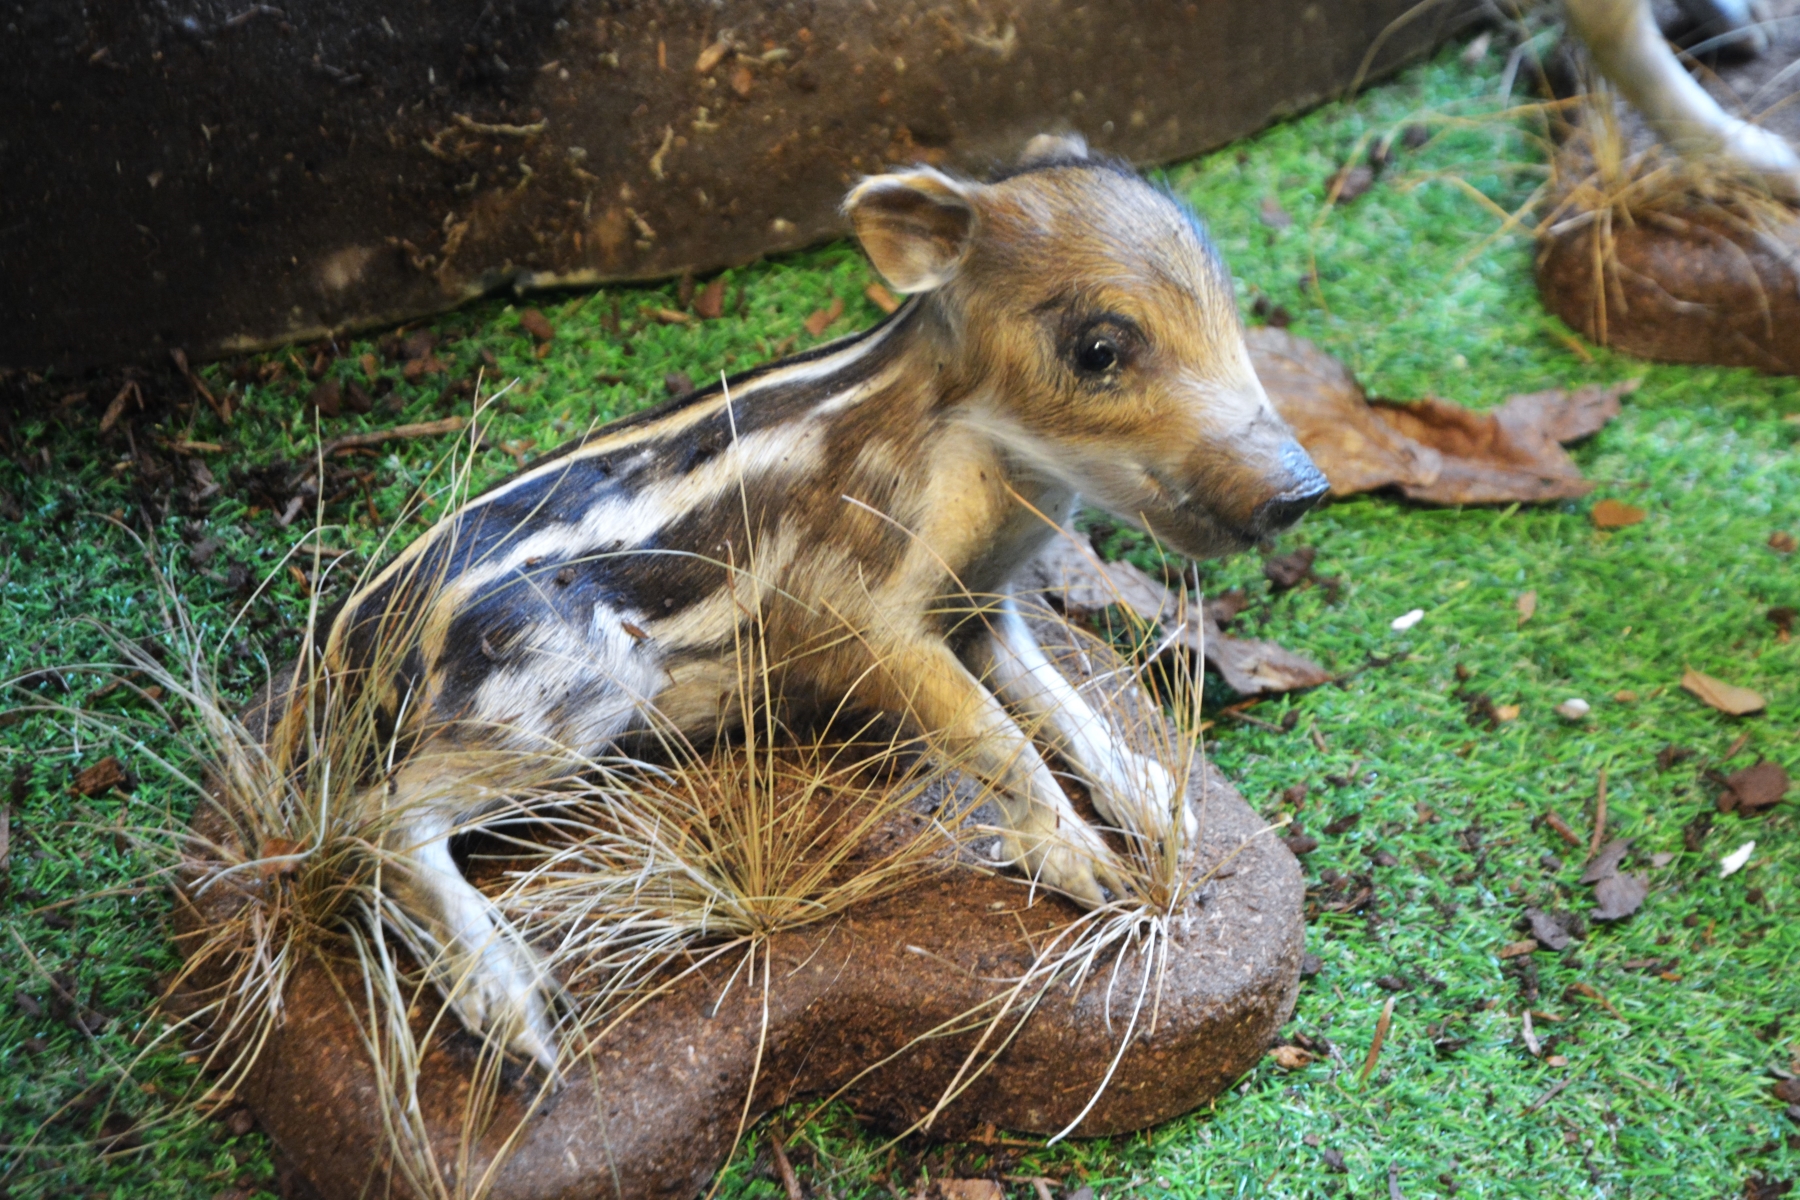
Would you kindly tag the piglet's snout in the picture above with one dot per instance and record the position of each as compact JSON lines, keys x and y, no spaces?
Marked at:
{"x":1302,"y":488}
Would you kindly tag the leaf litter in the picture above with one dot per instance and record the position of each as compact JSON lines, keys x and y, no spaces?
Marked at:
{"x":1431,"y":450}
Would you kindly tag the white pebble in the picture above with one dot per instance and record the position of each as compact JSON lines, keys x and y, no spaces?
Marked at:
{"x":1406,"y":621}
{"x":1573,"y":709}
{"x":1734,"y":862}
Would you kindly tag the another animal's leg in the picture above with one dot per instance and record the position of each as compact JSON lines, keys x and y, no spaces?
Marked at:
{"x":492,"y":980}
{"x":1044,"y":834}
{"x":1134,"y":792}
{"x":1630,"y":51}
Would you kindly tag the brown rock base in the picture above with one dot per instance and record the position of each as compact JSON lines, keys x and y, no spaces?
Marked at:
{"x":654,"y":1110}
{"x":1691,"y":290}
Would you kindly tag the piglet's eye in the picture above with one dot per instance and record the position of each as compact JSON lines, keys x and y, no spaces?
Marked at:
{"x":1096,"y":354}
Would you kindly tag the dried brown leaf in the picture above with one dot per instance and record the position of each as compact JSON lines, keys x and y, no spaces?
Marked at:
{"x":1618,"y":896}
{"x":1605,"y":864}
{"x":1755,"y":788}
{"x":1273,"y":215}
{"x":1726,"y":697}
{"x":1433,"y":450}
{"x":1527,"y":606}
{"x":537,"y":325}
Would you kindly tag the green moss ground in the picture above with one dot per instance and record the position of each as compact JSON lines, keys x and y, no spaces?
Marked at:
{"x":1665,"y":1094}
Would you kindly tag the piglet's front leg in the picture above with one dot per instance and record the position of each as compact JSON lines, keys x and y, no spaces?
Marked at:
{"x":492,"y":980}
{"x":1133,"y":791}
{"x":1044,"y":834}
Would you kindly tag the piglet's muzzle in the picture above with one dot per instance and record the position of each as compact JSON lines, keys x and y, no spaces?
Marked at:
{"x":1304,"y":488}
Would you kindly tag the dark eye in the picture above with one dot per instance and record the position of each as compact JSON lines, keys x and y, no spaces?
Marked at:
{"x":1096,"y":354}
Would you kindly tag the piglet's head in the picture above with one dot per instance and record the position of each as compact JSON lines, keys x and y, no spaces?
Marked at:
{"x":1088,"y":326}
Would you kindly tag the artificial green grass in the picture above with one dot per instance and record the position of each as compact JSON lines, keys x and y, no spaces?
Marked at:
{"x":1665,"y":1093}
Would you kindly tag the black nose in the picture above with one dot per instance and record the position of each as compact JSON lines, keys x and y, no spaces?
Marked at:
{"x":1308,"y":488}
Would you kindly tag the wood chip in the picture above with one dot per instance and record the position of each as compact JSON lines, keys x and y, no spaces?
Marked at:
{"x":709,"y":305}
{"x":712,"y":56}
{"x":1726,"y":697}
{"x":103,"y":776}
{"x":1611,"y":514}
{"x":881,"y":298}
{"x":1291,"y":1058}
{"x":821,"y":320}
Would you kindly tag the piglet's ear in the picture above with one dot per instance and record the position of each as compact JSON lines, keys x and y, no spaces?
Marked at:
{"x":1048,"y":147}
{"x":916,"y":226}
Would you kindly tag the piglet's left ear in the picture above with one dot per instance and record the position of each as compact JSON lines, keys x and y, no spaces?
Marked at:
{"x":916,"y":226}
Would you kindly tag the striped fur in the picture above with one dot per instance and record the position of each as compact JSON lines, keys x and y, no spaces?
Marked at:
{"x":1072,"y":332}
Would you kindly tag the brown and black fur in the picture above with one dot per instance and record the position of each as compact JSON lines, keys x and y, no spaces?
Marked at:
{"x":1071,"y":331}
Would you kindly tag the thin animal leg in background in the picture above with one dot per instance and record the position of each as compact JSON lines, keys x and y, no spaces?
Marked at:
{"x":1629,"y":50}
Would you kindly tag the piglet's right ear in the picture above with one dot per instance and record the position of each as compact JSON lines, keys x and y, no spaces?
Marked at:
{"x":916,"y":226}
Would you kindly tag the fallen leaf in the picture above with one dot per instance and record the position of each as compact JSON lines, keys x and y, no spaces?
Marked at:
{"x":1788,"y":1091}
{"x":881,"y":298}
{"x":1661,"y":859}
{"x":1726,"y":697}
{"x":1527,"y":606}
{"x":709,"y":305}
{"x":667,"y":316}
{"x":1506,"y":712}
{"x":678,"y":383}
{"x":1291,"y":1058}
{"x":1782,"y":542}
{"x":1547,"y":929}
{"x":1300,"y":844}
{"x":103,"y":776}
{"x":821,"y":320}
{"x":1273,"y":215}
{"x":1754,"y":788}
{"x":1611,"y":514}
{"x":1782,"y":618}
{"x":1734,"y":862}
{"x":1074,"y":574}
{"x":1618,"y":896}
{"x":1625,"y":696}
{"x":1605,"y":864}
{"x":537,"y":325}
{"x":1432,"y":451}
{"x":1334,"y":1161}
{"x":1515,"y":949}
